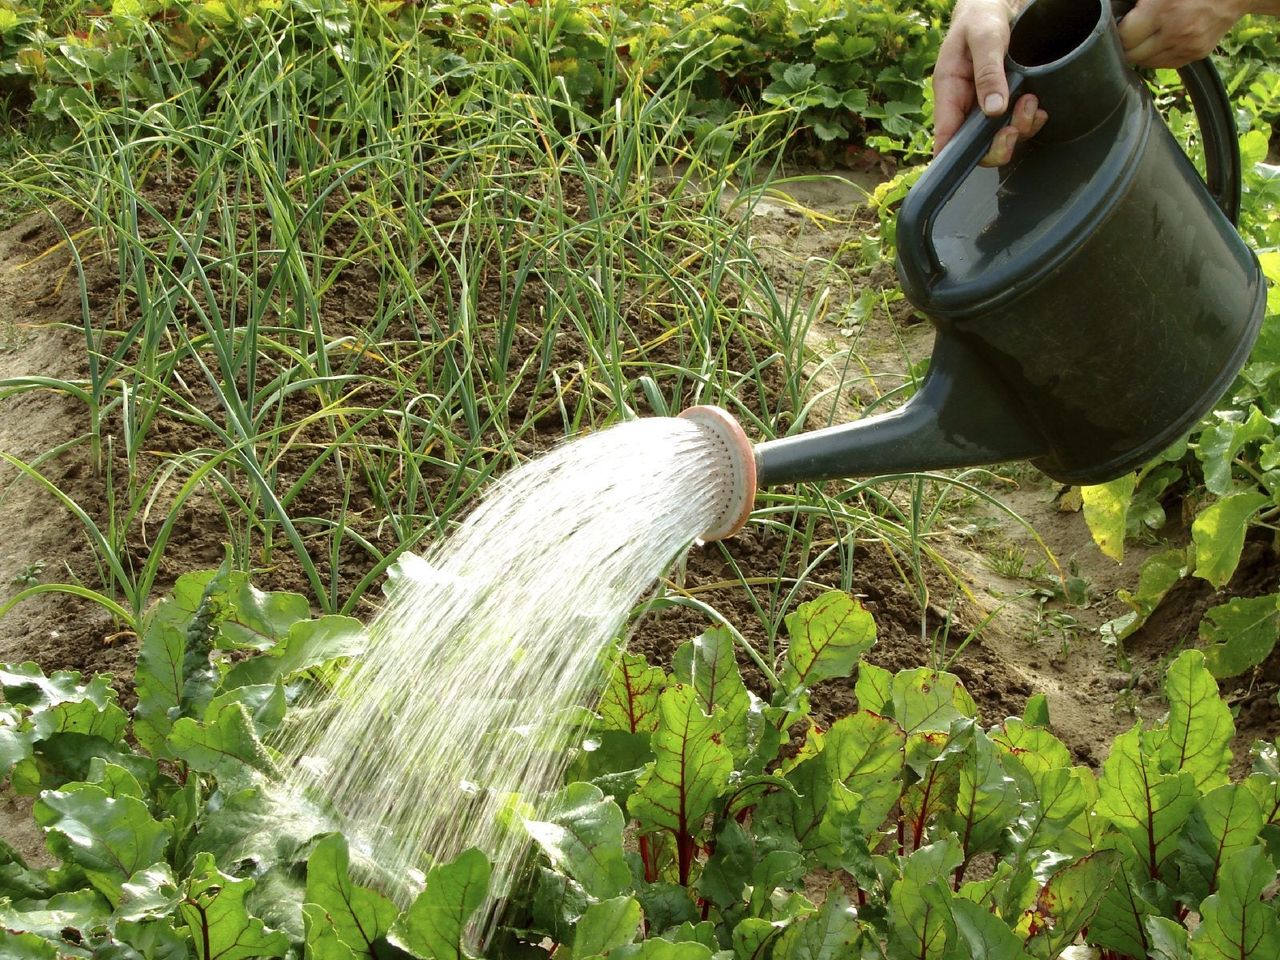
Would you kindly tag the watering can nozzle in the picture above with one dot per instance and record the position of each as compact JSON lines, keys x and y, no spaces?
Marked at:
{"x":734,"y":471}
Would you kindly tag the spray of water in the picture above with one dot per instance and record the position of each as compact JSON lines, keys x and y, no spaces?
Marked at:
{"x":466,"y":705}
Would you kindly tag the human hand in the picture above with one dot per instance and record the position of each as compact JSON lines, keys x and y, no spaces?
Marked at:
{"x":970,"y":70}
{"x":1173,"y":33}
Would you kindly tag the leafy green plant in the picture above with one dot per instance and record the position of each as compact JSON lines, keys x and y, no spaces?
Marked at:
{"x":699,"y":817}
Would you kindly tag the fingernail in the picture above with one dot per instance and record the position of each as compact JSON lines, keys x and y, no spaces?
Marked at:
{"x":994,"y":103}
{"x":1029,"y":107}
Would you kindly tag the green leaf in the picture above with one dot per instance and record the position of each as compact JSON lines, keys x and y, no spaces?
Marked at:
{"x":845,"y":841}
{"x":435,"y":925}
{"x":874,"y":689}
{"x":358,"y":916}
{"x":1106,"y":510}
{"x":830,"y":934}
{"x":690,"y":770}
{"x":798,"y":75}
{"x":728,"y":869}
{"x":630,"y":699}
{"x":306,"y":645}
{"x":221,"y":926}
{"x":829,"y":130}
{"x":985,"y":934}
{"x":656,"y":948}
{"x":928,"y":700}
{"x":1235,"y":922}
{"x":79,"y":912}
{"x":1120,"y":923}
{"x":1069,"y":900}
{"x":605,"y":926}
{"x":1158,"y":575}
{"x":174,"y":675}
{"x":827,"y":637}
{"x":987,"y":800}
{"x":1218,"y":532}
{"x":1219,"y":444}
{"x":15,"y":742}
{"x":1240,"y":634}
{"x":865,"y":753}
{"x":151,"y":894}
{"x":1036,"y":711}
{"x":707,"y":664}
{"x":1224,"y":820}
{"x":1146,"y":805}
{"x":753,"y":937}
{"x":32,"y":946}
{"x":111,"y":838}
{"x":222,"y":745}
{"x":1200,"y":725}
{"x":582,"y":837}
{"x":1168,"y":939}
{"x":320,"y":938}
{"x":921,"y":925}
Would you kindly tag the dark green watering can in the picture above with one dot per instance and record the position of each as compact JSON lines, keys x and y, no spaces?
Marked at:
{"x":1092,"y":297}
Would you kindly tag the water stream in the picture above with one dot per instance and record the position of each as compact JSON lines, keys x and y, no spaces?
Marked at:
{"x":470,"y":697}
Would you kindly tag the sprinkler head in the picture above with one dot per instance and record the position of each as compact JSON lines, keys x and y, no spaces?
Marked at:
{"x":734,"y":472}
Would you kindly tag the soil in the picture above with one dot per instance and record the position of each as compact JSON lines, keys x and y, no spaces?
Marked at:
{"x":992,"y":577}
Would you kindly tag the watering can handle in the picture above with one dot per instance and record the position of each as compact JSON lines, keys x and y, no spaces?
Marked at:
{"x":1216,"y":119}
{"x":917,"y":257}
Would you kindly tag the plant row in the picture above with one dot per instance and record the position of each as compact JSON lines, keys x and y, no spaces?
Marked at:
{"x":843,"y":71}
{"x":701,"y":821}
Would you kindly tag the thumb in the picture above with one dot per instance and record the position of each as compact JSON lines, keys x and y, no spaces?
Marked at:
{"x":987,"y":46}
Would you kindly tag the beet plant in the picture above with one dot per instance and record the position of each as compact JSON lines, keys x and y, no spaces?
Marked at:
{"x":701,"y":820}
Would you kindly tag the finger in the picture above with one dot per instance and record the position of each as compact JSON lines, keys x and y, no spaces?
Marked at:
{"x":1024,"y":115}
{"x":1001,"y":151}
{"x":988,"y":42}
{"x":1038,"y":125}
{"x":1151,"y":52}
{"x":952,"y":91}
{"x":1139,"y":26}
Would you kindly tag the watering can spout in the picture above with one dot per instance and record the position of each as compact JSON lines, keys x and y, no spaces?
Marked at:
{"x":960,"y":417}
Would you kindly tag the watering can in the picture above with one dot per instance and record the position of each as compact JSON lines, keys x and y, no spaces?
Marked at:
{"x":1092,"y":297}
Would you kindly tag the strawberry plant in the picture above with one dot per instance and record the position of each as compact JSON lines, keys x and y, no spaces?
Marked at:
{"x":697,"y":821}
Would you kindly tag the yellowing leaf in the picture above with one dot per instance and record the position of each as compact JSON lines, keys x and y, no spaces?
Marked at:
{"x":1106,"y":511}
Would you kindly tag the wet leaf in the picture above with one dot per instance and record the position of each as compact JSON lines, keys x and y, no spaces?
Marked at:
{"x":434,"y":926}
{"x":690,"y":770}
{"x":221,"y":926}
{"x":1169,"y":939}
{"x":582,"y":837}
{"x":605,"y":926}
{"x":358,"y":916}
{"x":221,"y":745}
{"x":707,"y":664}
{"x":150,"y":894}
{"x":111,"y":838}
{"x":630,"y":698}
{"x":79,"y":911}
{"x":865,"y":753}
{"x":753,"y":937}
{"x":61,"y":703}
{"x":306,"y":645}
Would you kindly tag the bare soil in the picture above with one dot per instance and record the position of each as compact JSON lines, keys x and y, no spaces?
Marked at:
{"x":995,"y":579}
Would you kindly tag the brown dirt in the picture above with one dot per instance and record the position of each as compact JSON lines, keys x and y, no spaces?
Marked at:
{"x":806,"y":233}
